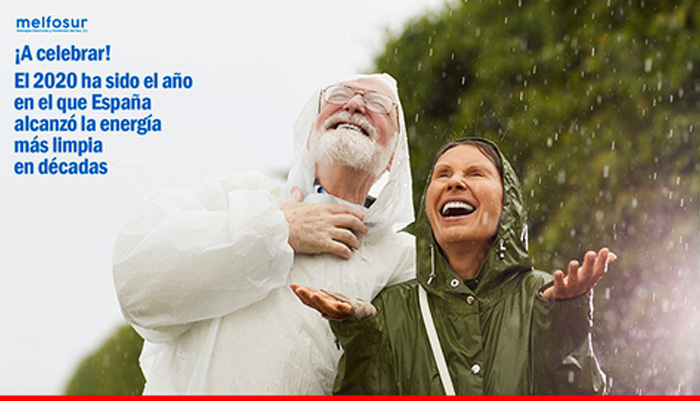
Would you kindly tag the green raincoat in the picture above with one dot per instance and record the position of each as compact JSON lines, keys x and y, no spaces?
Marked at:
{"x":497,"y":334}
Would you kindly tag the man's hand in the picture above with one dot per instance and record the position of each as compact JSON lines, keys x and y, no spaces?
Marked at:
{"x":329,"y":305}
{"x":580,"y":279}
{"x":322,"y":228}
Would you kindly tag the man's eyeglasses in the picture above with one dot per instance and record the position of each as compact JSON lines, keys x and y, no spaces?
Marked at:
{"x":374,"y":101}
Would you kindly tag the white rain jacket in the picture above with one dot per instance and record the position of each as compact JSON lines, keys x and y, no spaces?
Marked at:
{"x":203,"y":273}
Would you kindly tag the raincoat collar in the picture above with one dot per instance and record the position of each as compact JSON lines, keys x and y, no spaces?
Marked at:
{"x":393,"y":207}
{"x":318,"y":189}
{"x":506,"y":257}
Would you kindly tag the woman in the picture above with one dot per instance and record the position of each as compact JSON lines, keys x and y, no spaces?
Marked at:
{"x":478,"y":319}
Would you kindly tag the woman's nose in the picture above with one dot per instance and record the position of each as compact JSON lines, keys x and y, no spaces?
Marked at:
{"x":456,"y":182}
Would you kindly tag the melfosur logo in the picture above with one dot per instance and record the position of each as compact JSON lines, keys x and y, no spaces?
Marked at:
{"x":52,"y":24}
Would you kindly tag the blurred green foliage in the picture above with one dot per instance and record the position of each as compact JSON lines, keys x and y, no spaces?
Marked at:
{"x":113,"y":369}
{"x":597,"y":104}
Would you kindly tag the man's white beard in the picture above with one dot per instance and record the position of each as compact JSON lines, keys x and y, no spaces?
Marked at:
{"x":349,"y":147}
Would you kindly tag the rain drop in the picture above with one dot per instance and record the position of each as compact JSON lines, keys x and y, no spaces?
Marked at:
{"x":485,"y":219}
{"x":647,"y":65}
{"x":606,"y":171}
{"x":607,"y":293}
{"x":599,"y":215}
{"x":613,"y":146}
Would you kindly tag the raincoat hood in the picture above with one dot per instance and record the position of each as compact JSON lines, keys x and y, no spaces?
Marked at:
{"x":393,"y":207}
{"x":508,"y":253}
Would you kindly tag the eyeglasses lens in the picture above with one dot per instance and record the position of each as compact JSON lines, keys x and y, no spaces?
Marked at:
{"x":375,"y":101}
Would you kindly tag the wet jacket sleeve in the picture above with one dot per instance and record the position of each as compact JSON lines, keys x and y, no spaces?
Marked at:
{"x":366,"y":365}
{"x":405,"y":265}
{"x":563,"y":361}
{"x":200,"y":253}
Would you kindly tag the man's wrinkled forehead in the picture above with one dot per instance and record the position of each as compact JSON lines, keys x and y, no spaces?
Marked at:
{"x":373,"y":84}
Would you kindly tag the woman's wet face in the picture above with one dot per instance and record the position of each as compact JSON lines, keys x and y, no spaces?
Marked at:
{"x":464,"y":198}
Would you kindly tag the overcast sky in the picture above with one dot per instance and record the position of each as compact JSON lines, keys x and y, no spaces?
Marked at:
{"x":254,"y":65}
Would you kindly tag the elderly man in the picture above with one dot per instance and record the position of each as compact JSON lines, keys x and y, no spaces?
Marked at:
{"x":202,"y":274}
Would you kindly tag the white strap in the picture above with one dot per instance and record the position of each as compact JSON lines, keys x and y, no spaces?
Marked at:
{"x":434,"y":342}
